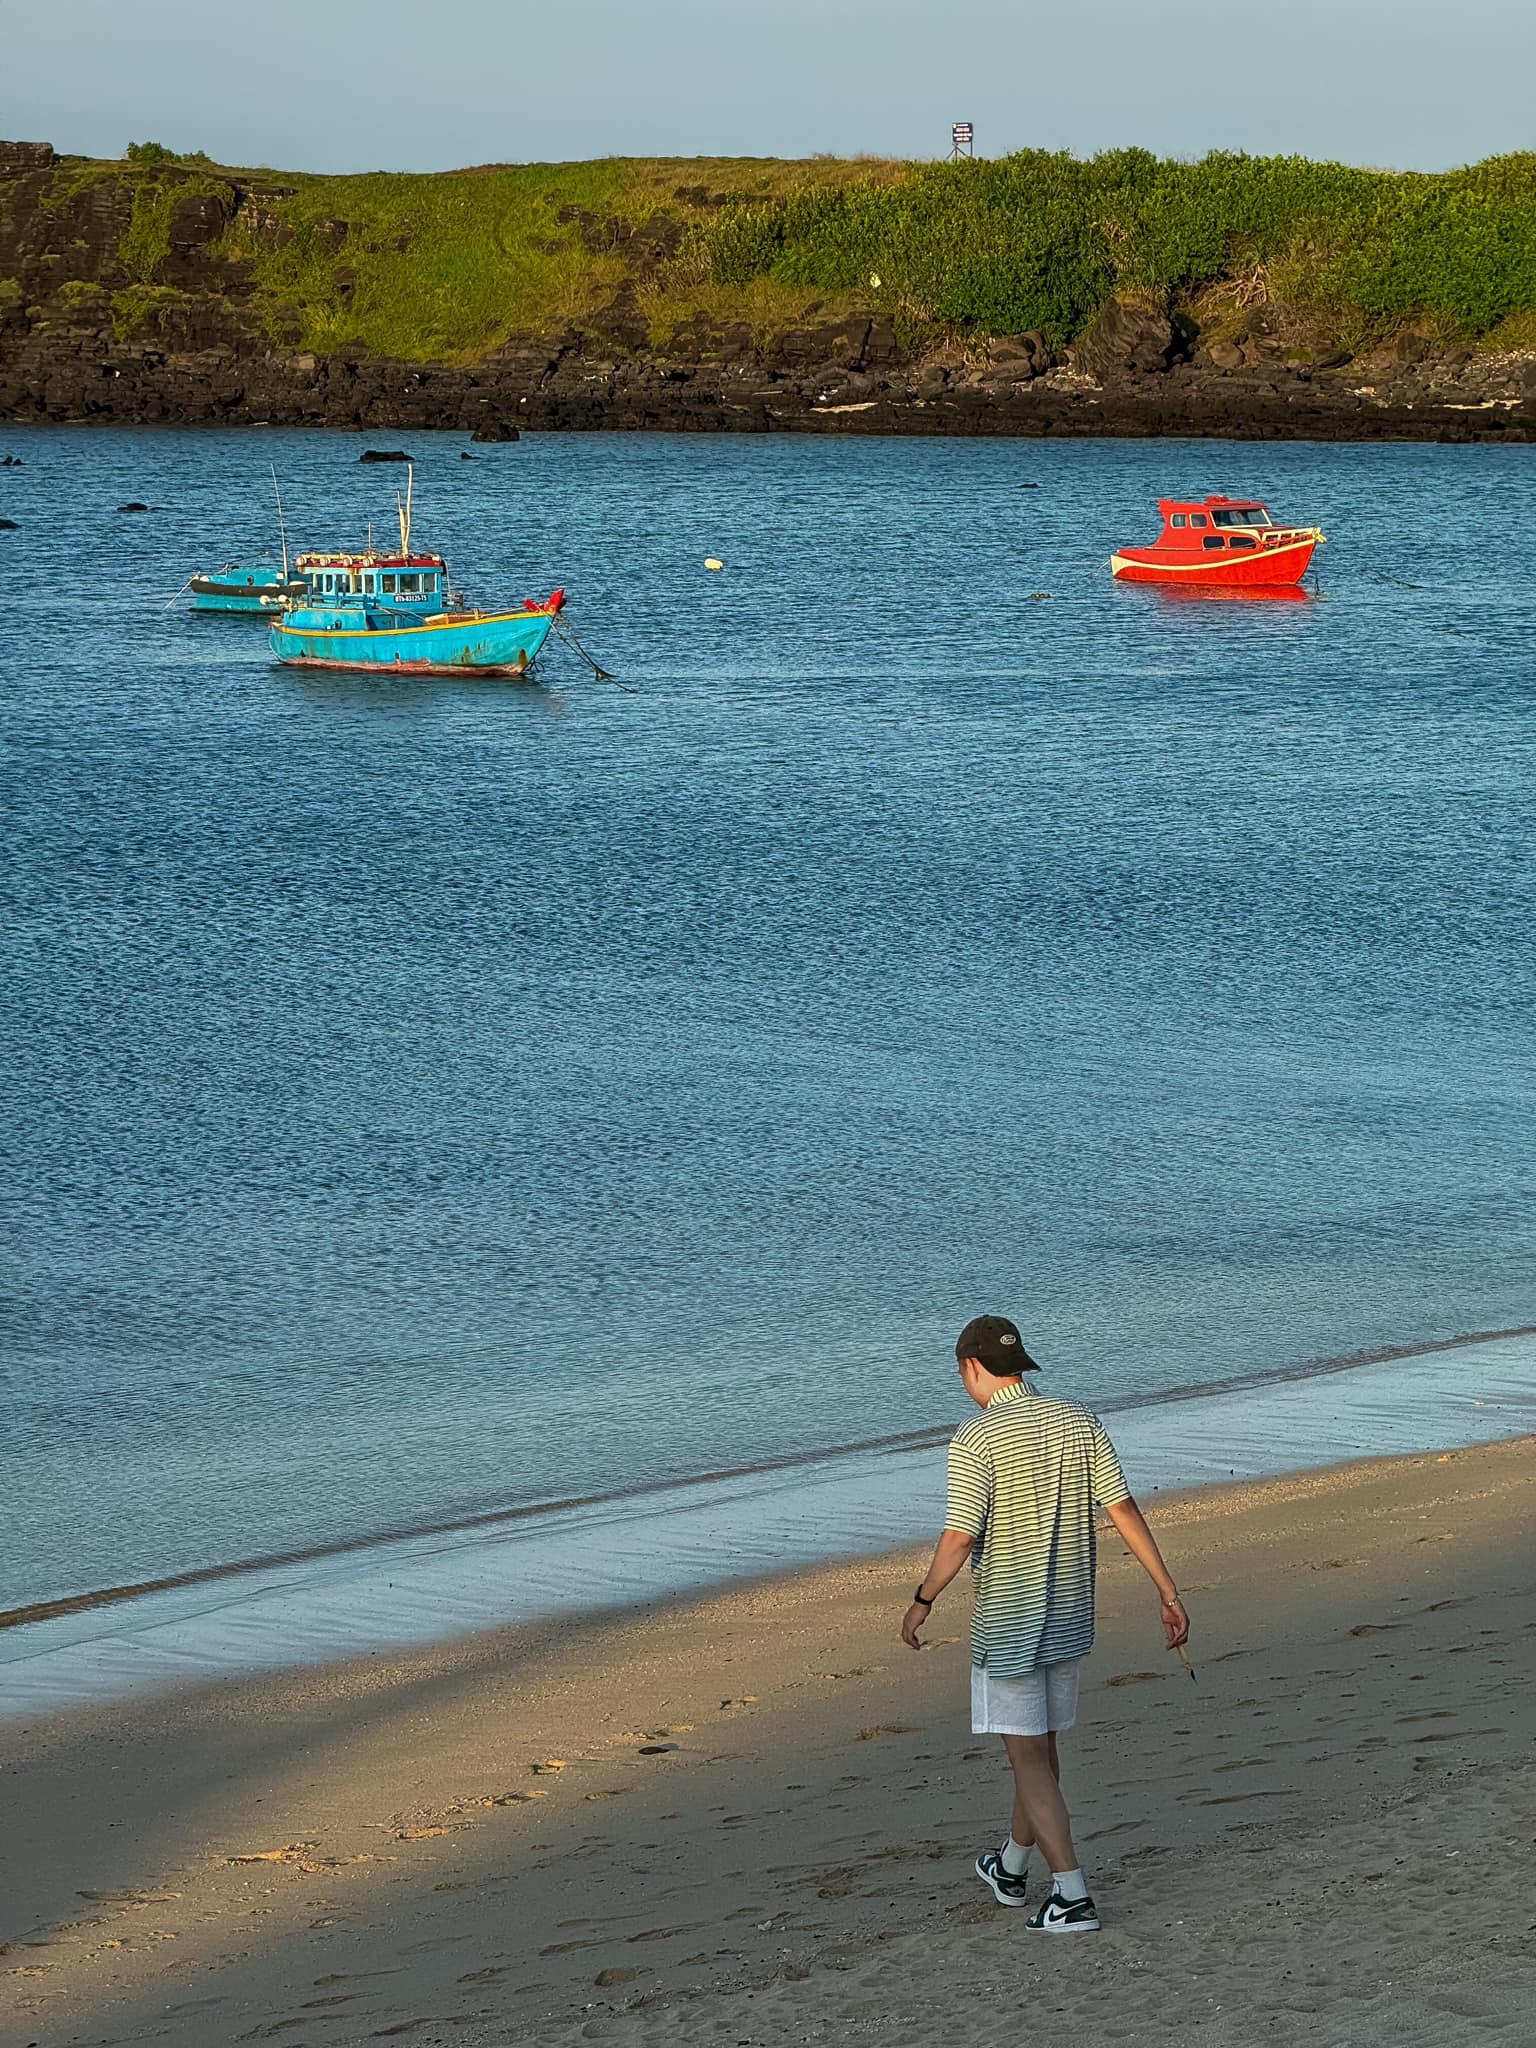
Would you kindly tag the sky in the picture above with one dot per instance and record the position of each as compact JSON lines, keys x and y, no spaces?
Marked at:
{"x":431,"y":84}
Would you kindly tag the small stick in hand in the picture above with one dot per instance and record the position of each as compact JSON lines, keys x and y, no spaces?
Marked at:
{"x":1184,"y":1658}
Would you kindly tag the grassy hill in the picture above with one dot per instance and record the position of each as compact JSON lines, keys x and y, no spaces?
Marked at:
{"x":447,"y":268}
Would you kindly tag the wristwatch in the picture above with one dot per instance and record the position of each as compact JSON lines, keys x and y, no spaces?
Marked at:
{"x":920,"y":1597}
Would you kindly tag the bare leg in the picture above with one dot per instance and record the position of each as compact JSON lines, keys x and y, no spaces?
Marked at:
{"x":1037,"y":1800}
{"x":1022,"y":1829}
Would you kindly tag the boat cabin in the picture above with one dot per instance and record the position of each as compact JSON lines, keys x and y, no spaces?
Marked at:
{"x":389,"y":580}
{"x":1216,"y":525}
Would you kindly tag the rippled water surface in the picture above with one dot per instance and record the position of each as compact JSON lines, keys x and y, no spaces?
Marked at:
{"x":429,"y":1097}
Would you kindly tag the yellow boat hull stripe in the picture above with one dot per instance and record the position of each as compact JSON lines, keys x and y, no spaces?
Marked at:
{"x":373,"y":632}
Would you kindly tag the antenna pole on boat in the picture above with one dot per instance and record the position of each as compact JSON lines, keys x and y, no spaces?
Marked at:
{"x":282,"y":531}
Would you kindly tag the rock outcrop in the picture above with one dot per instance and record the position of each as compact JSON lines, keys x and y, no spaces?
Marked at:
{"x":1126,"y":340}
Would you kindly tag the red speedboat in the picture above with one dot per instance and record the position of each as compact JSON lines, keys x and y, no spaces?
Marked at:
{"x":1230,"y":541}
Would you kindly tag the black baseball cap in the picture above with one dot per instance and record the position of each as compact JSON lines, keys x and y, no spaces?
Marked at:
{"x":997,"y":1343}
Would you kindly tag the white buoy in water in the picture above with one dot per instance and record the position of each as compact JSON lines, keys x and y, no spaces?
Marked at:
{"x":713,"y":562}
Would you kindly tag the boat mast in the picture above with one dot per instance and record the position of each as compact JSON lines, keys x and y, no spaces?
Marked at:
{"x":282,"y":531}
{"x":404,"y":509}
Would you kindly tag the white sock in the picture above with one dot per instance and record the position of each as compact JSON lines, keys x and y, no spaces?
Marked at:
{"x":1069,"y":1885}
{"x":1015,"y":1857}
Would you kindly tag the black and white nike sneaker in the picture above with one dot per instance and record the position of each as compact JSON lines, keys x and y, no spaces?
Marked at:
{"x":1064,"y":1916}
{"x":1007,"y":1889}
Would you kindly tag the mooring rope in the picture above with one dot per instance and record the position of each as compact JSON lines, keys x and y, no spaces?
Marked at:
{"x":603,"y":675}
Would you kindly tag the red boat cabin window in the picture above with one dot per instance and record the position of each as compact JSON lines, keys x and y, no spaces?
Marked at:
{"x":1242,"y":540}
{"x":1198,"y":519}
{"x":1213,"y":540}
{"x":1241,"y":515}
{"x":1179,"y":519}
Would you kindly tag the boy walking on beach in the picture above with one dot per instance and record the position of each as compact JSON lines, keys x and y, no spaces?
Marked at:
{"x":1024,"y":1478}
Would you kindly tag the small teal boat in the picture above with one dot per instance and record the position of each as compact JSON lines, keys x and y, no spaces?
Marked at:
{"x":395,"y":613}
{"x":245,"y":587}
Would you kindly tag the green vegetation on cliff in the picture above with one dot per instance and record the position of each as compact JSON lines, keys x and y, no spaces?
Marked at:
{"x":450,"y":267}
{"x":1041,"y":241}
{"x":446,"y":267}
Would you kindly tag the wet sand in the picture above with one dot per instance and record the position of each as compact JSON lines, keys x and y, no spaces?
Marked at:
{"x":752,"y":1817}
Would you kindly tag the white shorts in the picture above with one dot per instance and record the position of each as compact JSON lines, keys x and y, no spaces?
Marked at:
{"x":1040,"y":1703}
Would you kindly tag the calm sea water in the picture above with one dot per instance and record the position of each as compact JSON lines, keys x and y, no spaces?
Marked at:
{"x":432,"y":1097}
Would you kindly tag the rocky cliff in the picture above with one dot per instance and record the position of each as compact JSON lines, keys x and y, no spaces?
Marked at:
{"x":182,"y":292}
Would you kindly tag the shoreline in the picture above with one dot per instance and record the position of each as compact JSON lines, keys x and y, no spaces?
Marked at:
{"x":650,"y":398}
{"x":925,"y":1437}
{"x":658,"y":1816}
{"x":621,"y":1552}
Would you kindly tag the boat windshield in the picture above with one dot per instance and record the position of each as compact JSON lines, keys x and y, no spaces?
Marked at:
{"x":1240,"y":515}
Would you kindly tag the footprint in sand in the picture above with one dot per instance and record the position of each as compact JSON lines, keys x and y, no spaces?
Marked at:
{"x":137,"y":1898}
{"x":1374,"y":1628}
{"x":886,"y":1728}
{"x":1135,"y":1677}
{"x":1237,"y":1798}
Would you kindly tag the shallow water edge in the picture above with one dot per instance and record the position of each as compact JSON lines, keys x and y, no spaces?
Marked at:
{"x":657,"y":1543}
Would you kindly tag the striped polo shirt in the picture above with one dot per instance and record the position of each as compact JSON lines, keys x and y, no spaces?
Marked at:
{"x":1024,"y":1477}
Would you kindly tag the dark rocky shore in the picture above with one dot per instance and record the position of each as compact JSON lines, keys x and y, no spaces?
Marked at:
{"x":211,"y":358}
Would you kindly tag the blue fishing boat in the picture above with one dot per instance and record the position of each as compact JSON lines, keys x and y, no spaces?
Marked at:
{"x":245,"y":587}
{"x":395,"y":612}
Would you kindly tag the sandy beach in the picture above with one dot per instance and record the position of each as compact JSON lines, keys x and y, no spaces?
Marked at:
{"x":751,"y":1818}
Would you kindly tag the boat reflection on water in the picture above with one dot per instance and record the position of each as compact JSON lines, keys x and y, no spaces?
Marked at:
{"x":1233,"y":593}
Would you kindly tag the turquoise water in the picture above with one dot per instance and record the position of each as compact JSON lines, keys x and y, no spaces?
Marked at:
{"x":436,"y":1097}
